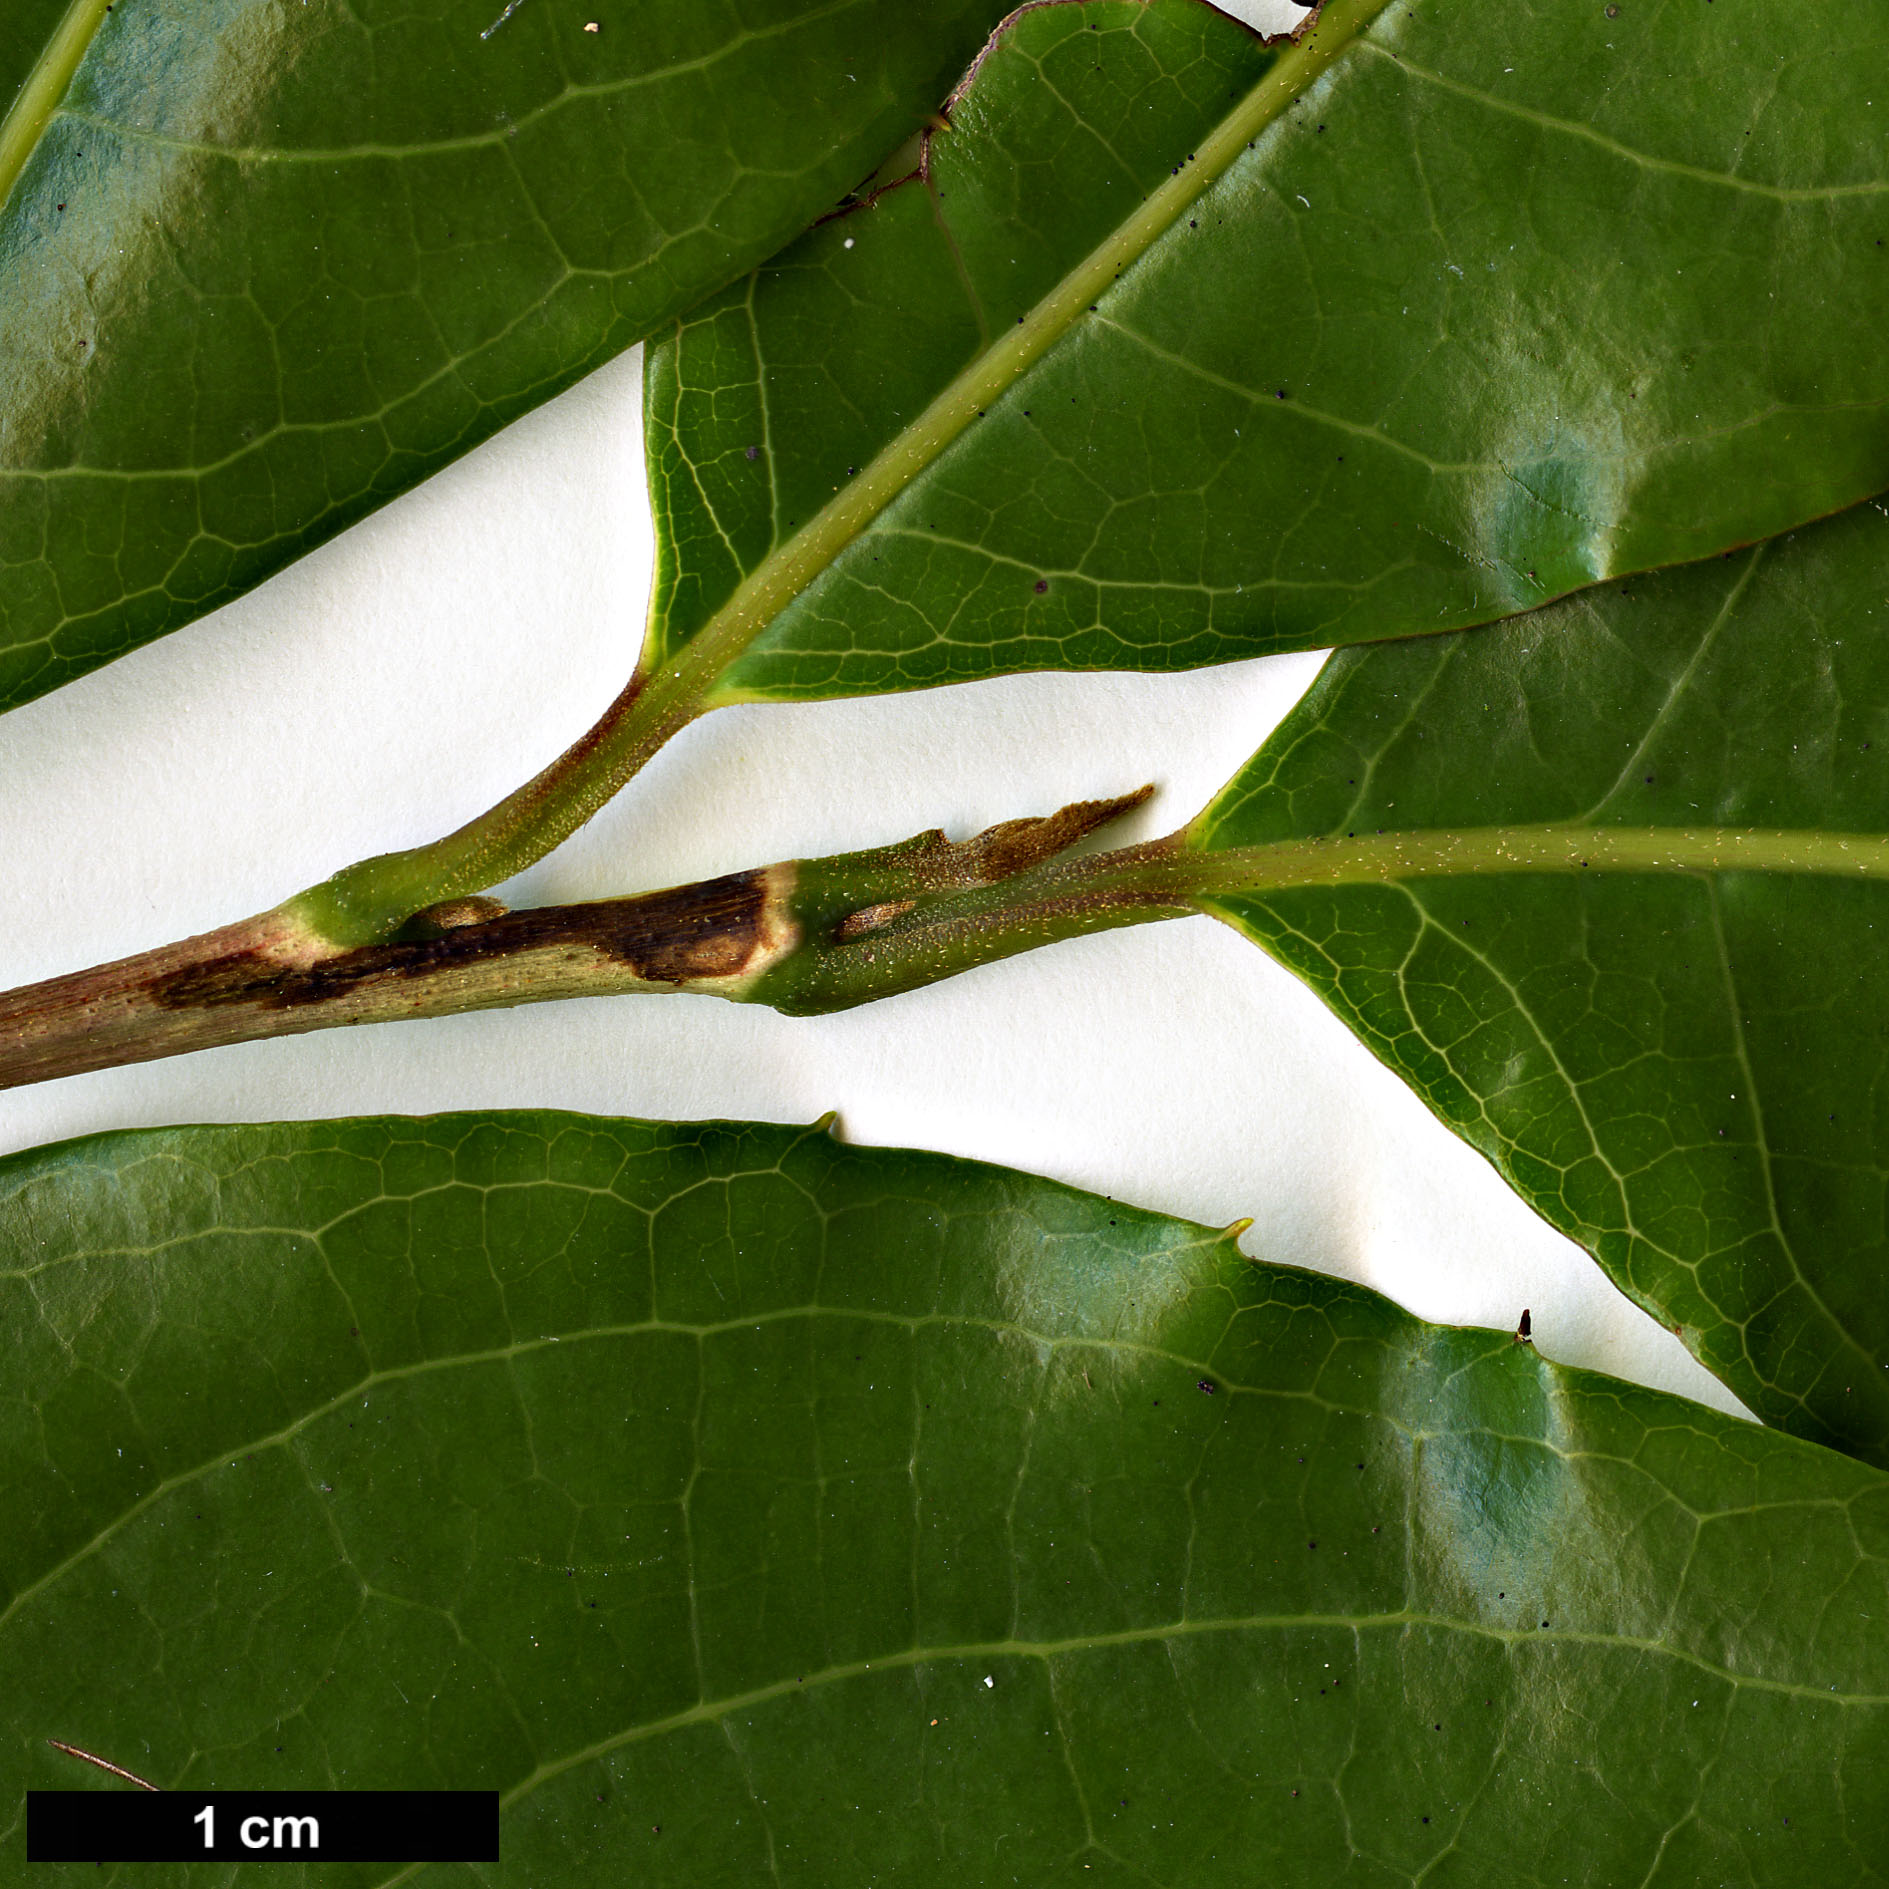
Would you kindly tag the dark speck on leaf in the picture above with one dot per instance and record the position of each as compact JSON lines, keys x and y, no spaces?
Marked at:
{"x":1206,"y":1384}
{"x":1649,"y":780}
{"x":1311,"y":1544}
{"x":1042,"y":584}
{"x":1280,"y":395}
{"x":754,"y":452}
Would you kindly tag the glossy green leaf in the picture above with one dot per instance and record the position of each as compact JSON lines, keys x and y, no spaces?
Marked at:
{"x":265,"y":265}
{"x":1511,"y":299}
{"x":747,"y":1506}
{"x":1684,"y":1071}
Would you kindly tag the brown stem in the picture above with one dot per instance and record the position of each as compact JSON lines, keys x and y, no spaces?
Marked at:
{"x":264,"y":978}
{"x":807,"y":937}
{"x":840,"y":929}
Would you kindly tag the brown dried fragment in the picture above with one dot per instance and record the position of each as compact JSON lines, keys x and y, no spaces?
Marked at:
{"x":435,"y":921}
{"x":871,"y":918}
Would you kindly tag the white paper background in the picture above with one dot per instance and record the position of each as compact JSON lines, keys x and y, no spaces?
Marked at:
{"x":397,"y":681}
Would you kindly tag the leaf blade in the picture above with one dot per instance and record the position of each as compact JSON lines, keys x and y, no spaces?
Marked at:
{"x":547,"y":1331}
{"x":1673,"y":1070}
{"x":265,"y":269}
{"x":1303,"y":346}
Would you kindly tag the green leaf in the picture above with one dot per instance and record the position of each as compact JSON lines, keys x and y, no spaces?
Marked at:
{"x":1684,"y":1072}
{"x":264,"y":266}
{"x":740,"y":1503}
{"x":1180,"y":352}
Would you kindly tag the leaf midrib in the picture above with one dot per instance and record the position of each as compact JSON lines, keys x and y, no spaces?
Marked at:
{"x":708,"y":1711}
{"x":500,"y":136}
{"x":1474,"y":852}
{"x":693,"y":670}
{"x":32,"y":110}
{"x":374,"y":1380}
{"x":1108,"y":1342}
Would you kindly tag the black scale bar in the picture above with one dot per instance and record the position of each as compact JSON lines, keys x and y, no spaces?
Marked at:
{"x":262,"y":1826}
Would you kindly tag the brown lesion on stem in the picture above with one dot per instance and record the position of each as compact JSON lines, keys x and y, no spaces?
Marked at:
{"x":1014,"y":846}
{"x":263,"y":977}
{"x":690,"y":935}
{"x":898,"y":878}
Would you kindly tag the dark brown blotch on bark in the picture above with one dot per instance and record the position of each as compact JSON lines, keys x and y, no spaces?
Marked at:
{"x":673,"y":937}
